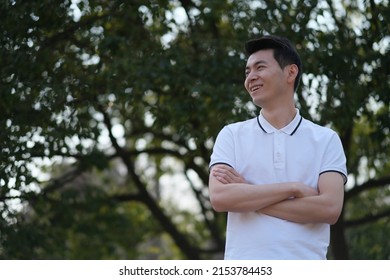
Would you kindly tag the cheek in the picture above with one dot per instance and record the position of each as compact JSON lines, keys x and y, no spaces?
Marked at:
{"x":246,"y":84}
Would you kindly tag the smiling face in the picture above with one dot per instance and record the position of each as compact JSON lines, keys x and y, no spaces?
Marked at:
{"x":266,"y":82}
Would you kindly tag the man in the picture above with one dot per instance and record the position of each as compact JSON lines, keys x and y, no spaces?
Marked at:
{"x":279,"y":176}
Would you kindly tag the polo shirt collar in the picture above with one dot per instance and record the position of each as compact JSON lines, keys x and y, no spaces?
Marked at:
{"x":289,"y":129}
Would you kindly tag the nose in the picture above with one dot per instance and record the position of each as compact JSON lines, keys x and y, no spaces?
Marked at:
{"x":252,"y":76}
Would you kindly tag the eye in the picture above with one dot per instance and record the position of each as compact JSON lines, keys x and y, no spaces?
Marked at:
{"x":260,"y":67}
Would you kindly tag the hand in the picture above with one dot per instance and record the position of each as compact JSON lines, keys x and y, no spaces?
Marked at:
{"x":226,"y":174}
{"x":285,"y":209}
{"x":302,"y":190}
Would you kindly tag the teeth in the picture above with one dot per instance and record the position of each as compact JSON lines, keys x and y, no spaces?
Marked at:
{"x":255,"y":88}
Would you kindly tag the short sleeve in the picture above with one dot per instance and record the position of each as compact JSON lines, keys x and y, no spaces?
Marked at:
{"x":223,"y":151}
{"x":334,"y":158}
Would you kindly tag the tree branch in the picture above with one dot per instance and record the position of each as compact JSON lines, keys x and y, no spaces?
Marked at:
{"x":147,"y":199}
{"x":367,"y":219}
{"x":370,"y":184}
{"x":85,"y":21}
{"x":211,"y":225}
{"x":127,"y":197}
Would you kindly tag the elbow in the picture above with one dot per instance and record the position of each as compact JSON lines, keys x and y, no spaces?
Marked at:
{"x":332,"y":220}
{"x":333,"y":216}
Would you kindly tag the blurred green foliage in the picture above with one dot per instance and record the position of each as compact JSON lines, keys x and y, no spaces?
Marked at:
{"x":109,"y":110}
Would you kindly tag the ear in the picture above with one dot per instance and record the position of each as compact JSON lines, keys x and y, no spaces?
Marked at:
{"x":292,"y":72}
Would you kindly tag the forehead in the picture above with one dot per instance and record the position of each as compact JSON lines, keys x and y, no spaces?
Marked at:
{"x":261,"y":56}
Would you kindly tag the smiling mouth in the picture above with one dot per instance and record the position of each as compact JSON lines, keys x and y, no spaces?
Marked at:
{"x":254,"y":88}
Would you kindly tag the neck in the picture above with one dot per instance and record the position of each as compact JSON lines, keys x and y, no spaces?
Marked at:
{"x":280,"y":116}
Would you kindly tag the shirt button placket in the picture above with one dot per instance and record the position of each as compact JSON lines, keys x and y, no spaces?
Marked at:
{"x":279,"y":150}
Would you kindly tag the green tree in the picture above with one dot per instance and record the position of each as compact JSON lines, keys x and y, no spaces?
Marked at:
{"x":126,"y":93}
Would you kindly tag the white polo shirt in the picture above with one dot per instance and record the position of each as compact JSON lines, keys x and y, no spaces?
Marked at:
{"x":262,"y":154}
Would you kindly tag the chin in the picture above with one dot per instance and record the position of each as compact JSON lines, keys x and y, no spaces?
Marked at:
{"x":257,"y":102}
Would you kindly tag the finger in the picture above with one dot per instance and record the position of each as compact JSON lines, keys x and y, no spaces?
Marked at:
{"x":229,"y":176}
{"x":225,"y":173}
{"x":222,"y":180}
{"x":228,"y":170}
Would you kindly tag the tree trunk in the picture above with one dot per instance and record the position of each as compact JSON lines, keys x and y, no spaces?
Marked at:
{"x":338,"y":243}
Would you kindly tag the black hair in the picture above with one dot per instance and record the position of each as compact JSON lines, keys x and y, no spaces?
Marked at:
{"x":284,"y":52}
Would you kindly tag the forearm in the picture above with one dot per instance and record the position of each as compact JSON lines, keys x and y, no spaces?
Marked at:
{"x":242,"y":197}
{"x":324,"y":208}
{"x":301,"y":210}
{"x":229,"y":191}
{"x":293,"y":201}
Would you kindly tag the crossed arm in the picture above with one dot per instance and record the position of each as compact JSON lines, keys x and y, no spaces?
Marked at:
{"x":293,"y":201}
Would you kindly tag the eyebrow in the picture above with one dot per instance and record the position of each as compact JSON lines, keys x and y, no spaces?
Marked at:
{"x":255,"y":64}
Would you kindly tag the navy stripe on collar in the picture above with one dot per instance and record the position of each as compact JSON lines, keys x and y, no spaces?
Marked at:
{"x":258,"y":121}
{"x":262,"y":128}
{"x":296,"y":126}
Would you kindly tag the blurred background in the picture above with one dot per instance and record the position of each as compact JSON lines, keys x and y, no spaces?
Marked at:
{"x":109,"y":111}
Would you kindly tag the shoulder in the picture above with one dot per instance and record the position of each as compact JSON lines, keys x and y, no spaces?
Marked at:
{"x":238,"y":130}
{"x":242,"y":125}
{"x":317,"y":130}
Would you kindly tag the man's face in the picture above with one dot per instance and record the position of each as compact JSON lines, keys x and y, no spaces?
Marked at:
{"x":265,"y":80}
